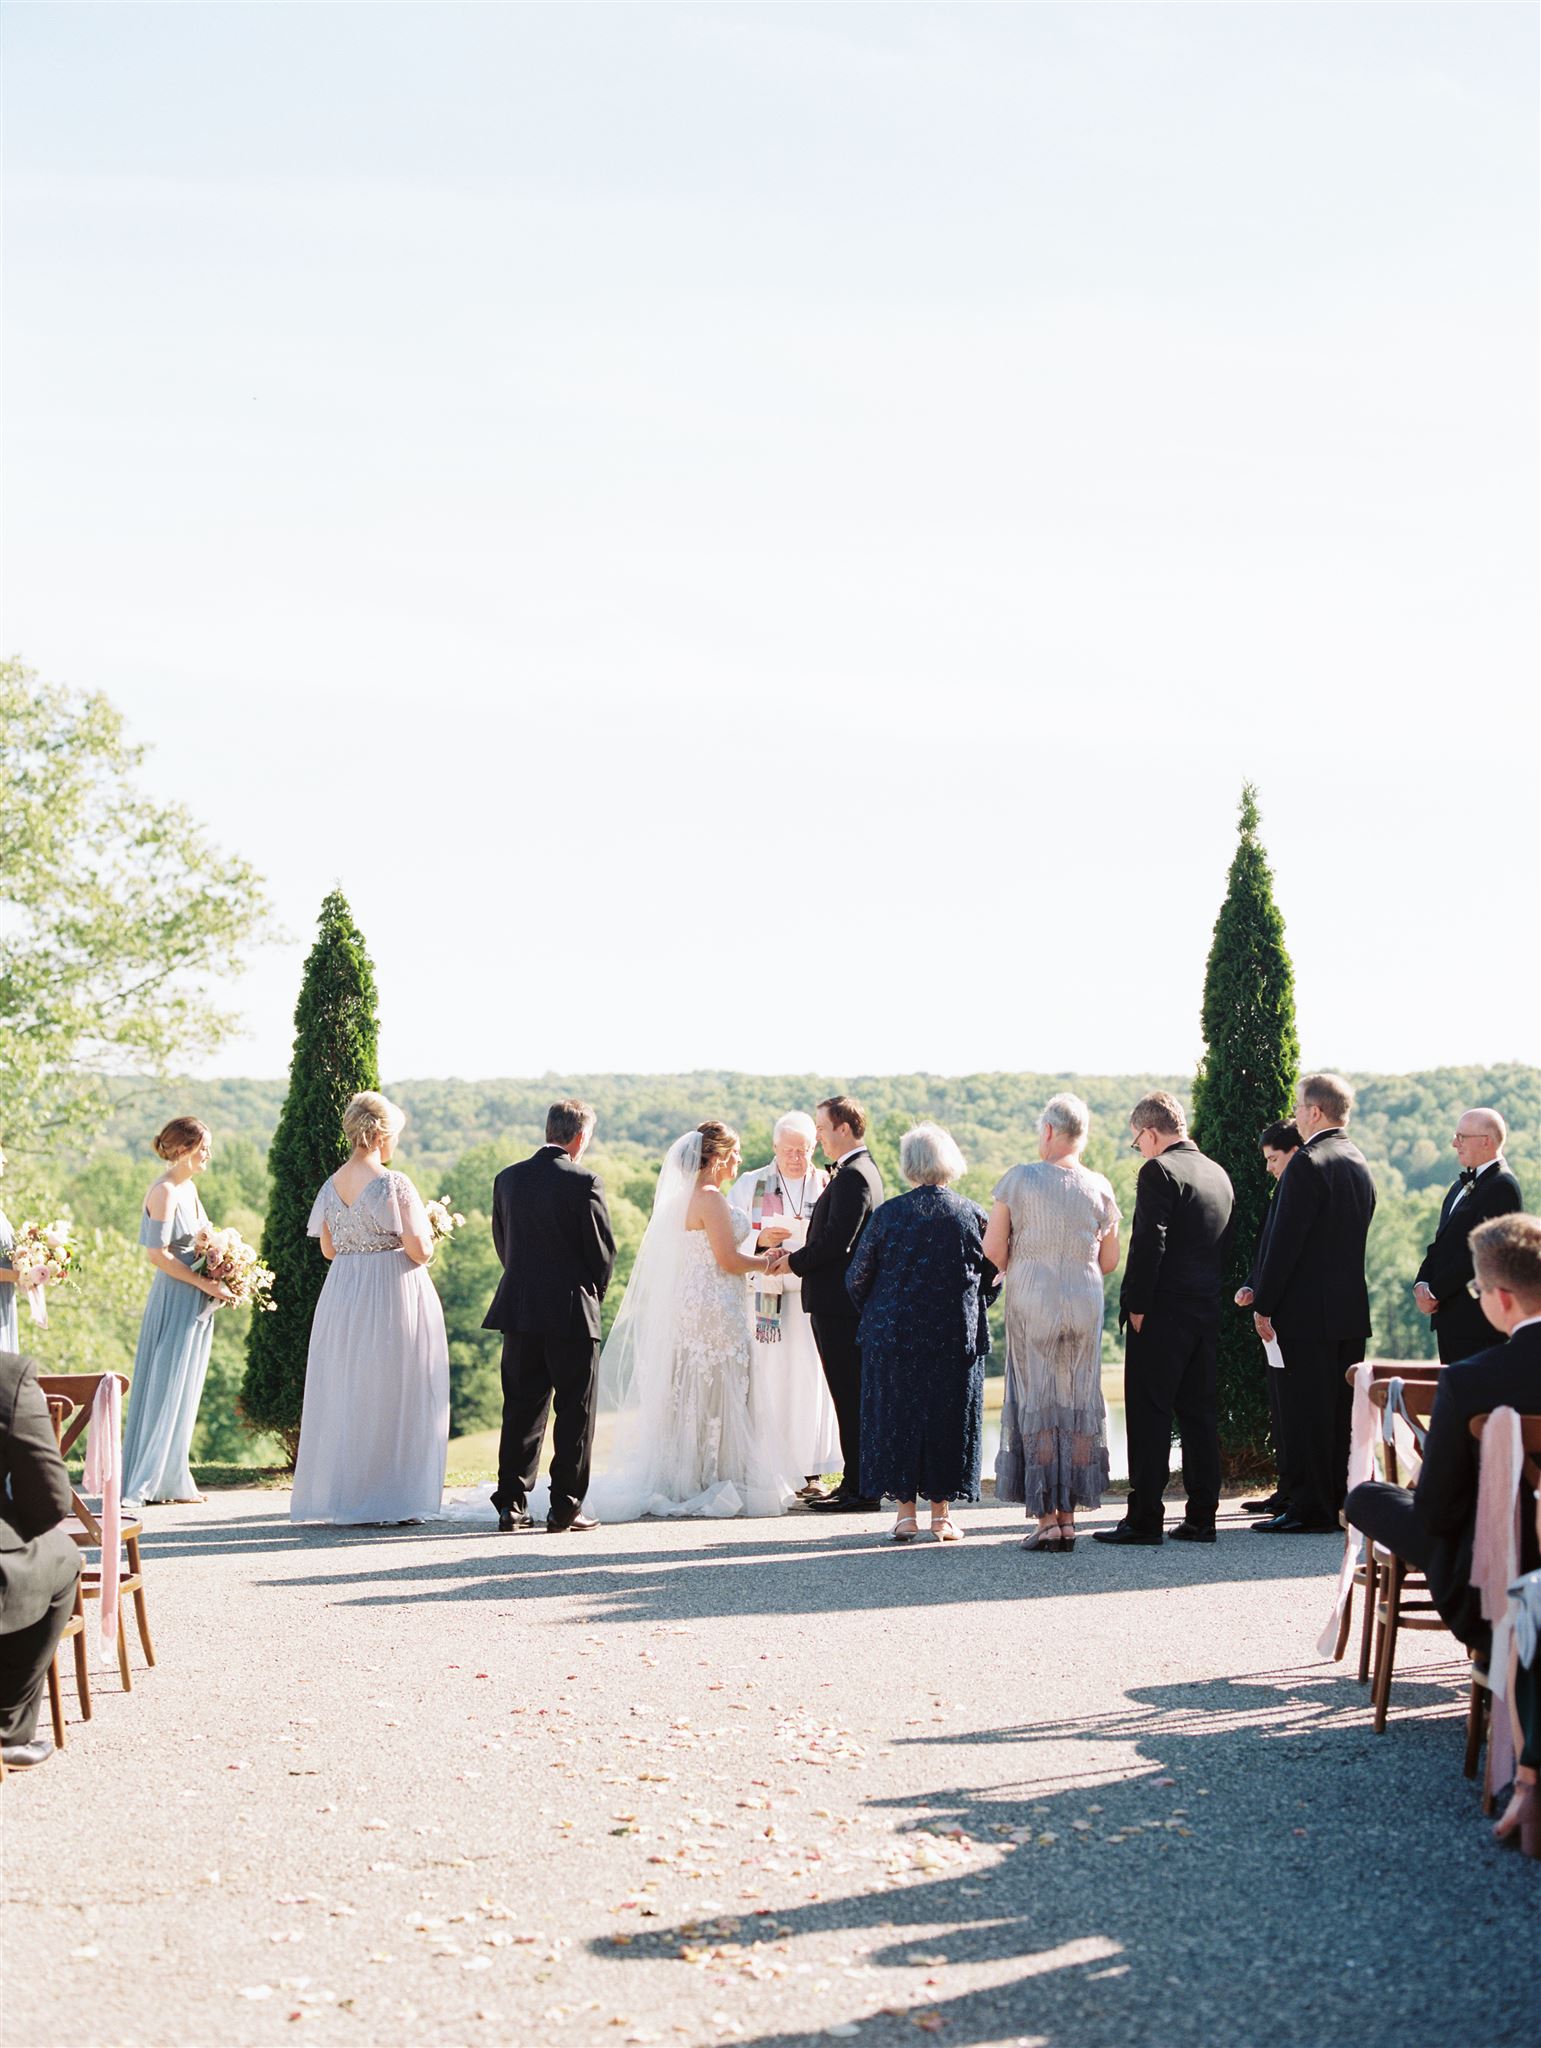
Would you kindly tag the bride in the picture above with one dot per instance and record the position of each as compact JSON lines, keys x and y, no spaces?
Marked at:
{"x":676,"y":1365}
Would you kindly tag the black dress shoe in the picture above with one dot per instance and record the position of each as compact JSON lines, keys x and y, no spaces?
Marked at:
{"x":513,"y":1518}
{"x":1126,"y":1533}
{"x":1191,"y":1532}
{"x":845,"y":1504}
{"x":1292,"y":1525}
{"x":1274,"y":1505}
{"x":581,"y":1523}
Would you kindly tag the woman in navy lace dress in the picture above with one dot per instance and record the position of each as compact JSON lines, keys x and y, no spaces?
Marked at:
{"x":923,"y":1283}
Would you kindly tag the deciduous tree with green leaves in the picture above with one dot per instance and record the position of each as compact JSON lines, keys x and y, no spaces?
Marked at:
{"x":1245,"y":1081}
{"x":119,"y":914}
{"x":336,"y":1053}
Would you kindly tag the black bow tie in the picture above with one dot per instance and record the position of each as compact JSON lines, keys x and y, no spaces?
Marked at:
{"x":1469,"y":1176}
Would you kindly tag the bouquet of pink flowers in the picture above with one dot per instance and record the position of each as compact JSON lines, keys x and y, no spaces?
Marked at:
{"x":42,"y":1256}
{"x":443,"y":1221}
{"x":225,"y":1256}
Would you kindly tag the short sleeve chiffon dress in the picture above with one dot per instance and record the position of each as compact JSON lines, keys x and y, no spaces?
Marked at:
{"x":1054,"y":1444}
{"x":374,"y":1429}
{"x":170,"y":1364}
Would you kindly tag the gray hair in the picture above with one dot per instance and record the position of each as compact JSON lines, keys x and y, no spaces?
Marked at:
{"x":1067,"y":1115}
{"x":797,"y":1121}
{"x":929,"y":1157}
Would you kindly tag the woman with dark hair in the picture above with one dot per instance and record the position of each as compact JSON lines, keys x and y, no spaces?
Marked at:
{"x":1280,"y":1143}
{"x":178,"y":1327}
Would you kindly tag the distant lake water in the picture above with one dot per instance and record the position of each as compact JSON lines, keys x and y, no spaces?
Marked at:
{"x":1112,"y":1394}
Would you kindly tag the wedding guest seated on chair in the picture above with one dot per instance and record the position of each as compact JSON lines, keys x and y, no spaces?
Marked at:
{"x":1432,"y":1528}
{"x":922,"y":1283}
{"x":39,"y":1561}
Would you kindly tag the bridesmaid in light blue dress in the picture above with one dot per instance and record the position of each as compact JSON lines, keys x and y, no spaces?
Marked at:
{"x":375,"y":1426}
{"x":10,"y":1339}
{"x":178,"y":1326}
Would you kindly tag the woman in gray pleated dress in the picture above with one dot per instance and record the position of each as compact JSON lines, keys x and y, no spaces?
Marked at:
{"x":1054,"y":1233}
{"x":374,"y":1430}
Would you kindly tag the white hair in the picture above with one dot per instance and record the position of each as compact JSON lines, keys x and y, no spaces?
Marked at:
{"x":796,"y":1123}
{"x":929,"y":1157}
{"x":1066,"y":1114}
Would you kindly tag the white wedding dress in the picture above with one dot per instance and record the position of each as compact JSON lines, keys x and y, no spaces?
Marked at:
{"x":676,"y":1367}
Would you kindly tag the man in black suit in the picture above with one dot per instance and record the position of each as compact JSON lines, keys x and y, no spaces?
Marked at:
{"x":1170,"y":1300}
{"x":1311,"y":1294}
{"x":551,"y":1229}
{"x":835,"y":1226}
{"x":1484,"y":1189}
{"x":1280,"y":1143}
{"x":1433,"y":1527}
{"x":39,"y":1561}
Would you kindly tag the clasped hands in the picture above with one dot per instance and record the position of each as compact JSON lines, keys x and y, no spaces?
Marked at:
{"x":774,"y":1241}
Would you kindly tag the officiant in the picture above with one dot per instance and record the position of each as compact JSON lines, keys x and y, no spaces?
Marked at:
{"x":787,"y":1384}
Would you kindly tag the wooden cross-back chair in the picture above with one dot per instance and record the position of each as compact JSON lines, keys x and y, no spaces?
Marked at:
{"x":80,"y":1387}
{"x":1529,"y":1493}
{"x":1397,"y":1595}
{"x":1367,"y":1572}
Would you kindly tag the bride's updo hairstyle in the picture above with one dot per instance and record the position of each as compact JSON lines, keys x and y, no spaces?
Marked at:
{"x":717,"y":1141}
{"x":182,"y":1135}
{"x":369,"y":1117}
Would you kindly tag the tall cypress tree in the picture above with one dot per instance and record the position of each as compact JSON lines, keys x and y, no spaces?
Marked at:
{"x":336,"y":1040}
{"x":1245,"y":1081}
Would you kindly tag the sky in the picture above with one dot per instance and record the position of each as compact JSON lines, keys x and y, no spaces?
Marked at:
{"x":772,"y":536}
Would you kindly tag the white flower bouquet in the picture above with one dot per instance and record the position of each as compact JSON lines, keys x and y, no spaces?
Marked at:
{"x":443,"y":1221}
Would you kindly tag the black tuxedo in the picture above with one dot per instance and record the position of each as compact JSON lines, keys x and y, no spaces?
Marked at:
{"x":835,"y":1225}
{"x":551,"y":1229}
{"x":1433,"y":1527}
{"x":1179,"y":1242}
{"x":1311,"y":1286}
{"x":39,"y":1561}
{"x":1459,"y":1324}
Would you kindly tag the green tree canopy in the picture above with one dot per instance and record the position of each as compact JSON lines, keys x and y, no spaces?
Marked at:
{"x":1245,"y":1081}
{"x":118,"y":911}
{"x":336,"y":1053}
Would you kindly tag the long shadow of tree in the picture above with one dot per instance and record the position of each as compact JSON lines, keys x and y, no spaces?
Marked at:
{"x":1267,"y":1873}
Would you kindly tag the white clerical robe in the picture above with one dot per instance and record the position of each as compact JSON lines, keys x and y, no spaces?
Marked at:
{"x":787,"y":1382}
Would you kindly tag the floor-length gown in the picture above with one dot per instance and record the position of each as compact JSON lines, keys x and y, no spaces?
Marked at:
{"x":695,"y":1445}
{"x":1054,"y":1446}
{"x":9,"y":1336}
{"x":374,"y":1430}
{"x":170,"y":1363}
{"x":787,"y":1383}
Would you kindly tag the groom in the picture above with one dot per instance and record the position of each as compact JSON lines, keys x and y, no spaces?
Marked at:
{"x":551,"y":1230}
{"x":837,"y":1221}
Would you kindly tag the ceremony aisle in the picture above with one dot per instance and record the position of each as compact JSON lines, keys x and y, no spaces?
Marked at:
{"x":763,"y":1782}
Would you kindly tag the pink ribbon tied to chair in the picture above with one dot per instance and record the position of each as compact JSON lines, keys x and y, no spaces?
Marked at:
{"x":1495,"y":1563}
{"x":1361,"y":1467}
{"x":104,"y":1475}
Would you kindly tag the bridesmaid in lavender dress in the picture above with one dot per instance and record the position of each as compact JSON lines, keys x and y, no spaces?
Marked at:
{"x":375,"y":1426}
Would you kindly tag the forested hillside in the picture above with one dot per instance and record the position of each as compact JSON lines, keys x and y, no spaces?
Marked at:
{"x":460,"y":1132}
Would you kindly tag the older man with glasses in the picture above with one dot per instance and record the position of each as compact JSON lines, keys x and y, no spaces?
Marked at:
{"x":1485,"y":1188}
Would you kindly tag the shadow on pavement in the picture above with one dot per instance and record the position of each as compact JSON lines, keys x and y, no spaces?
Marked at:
{"x":1224,"y":1888}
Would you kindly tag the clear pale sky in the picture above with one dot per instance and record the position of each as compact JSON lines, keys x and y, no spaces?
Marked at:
{"x":772,"y":536}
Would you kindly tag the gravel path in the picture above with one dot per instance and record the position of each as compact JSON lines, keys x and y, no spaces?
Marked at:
{"x":768,"y":1783}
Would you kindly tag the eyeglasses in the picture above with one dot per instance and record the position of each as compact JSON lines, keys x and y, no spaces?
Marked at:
{"x":1476,"y":1289}
{"x":1134,"y":1144}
